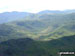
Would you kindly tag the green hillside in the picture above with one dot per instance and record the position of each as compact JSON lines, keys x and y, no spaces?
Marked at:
{"x":39,"y":27}
{"x":29,"y":47}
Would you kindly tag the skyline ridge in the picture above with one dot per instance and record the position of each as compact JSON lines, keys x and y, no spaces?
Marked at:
{"x":66,"y":10}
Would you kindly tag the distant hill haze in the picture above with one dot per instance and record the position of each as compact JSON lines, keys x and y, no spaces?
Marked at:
{"x":56,"y":11}
{"x":11,"y":16}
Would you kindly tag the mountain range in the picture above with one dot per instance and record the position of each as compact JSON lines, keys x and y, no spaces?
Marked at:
{"x":37,"y":34}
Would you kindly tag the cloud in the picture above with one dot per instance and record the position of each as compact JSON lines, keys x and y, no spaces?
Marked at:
{"x":35,"y":5}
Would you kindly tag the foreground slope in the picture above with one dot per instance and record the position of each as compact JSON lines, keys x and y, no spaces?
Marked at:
{"x":29,"y":47}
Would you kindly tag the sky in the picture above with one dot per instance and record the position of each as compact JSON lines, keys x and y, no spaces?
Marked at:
{"x":35,"y":6}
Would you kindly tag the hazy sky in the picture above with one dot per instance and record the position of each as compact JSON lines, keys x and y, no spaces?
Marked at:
{"x":35,"y":5}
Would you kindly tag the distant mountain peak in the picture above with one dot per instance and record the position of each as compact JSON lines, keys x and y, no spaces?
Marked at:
{"x":56,"y":11}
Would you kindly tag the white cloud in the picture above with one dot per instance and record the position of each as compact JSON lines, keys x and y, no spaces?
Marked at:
{"x":35,"y":5}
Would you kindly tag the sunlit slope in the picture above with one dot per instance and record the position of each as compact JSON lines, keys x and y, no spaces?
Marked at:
{"x":39,"y":27}
{"x":64,"y":30}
